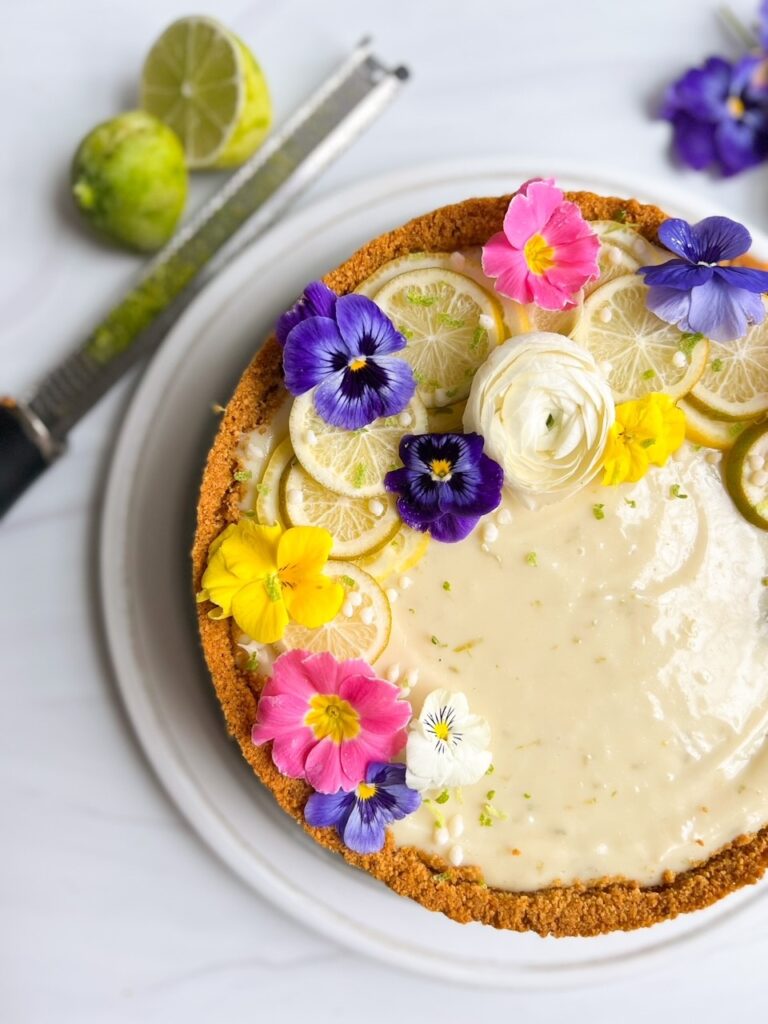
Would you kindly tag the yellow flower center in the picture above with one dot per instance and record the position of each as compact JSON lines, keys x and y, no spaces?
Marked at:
{"x":273,"y":587}
{"x":357,"y":364}
{"x":441,"y":470}
{"x":442,"y":731}
{"x":539,"y":254}
{"x":735,"y":105}
{"x":332,"y":717}
{"x":365,"y":791}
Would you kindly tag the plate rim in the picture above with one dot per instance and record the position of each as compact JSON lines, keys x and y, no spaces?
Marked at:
{"x":113,"y":530}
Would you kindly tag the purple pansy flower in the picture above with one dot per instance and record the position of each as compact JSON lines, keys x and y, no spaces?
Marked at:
{"x":446,"y":483}
{"x":317,"y":300}
{"x":349,"y":358}
{"x":695,"y":293}
{"x":362,"y":815}
{"x":719,"y":113}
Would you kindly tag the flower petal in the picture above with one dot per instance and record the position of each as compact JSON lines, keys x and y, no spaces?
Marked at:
{"x":317,"y":300}
{"x":450,"y":528}
{"x":529,"y":211}
{"x":314,"y":600}
{"x":364,"y":835}
{"x":740,"y":145}
{"x":323,"y":810}
{"x":677,"y":235}
{"x":301,"y":551}
{"x":366,"y":329}
{"x":748,"y":278}
{"x":263,"y":619}
{"x":677,"y":274}
{"x":322,"y":768}
{"x":313,"y":351}
{"x":720,"y":238}
{"x":354,"y":399}
{"x":670,"y":305}
{"x":694,"y":141}
{"x":720,"y":311}
{"x":290,"y":751}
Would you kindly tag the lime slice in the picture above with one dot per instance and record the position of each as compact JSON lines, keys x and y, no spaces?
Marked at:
{"x":268,"y":511}
{"x":622,"y":251}
{"x":746,"y":474}
{"x":638,"y":352}
{"x":734,"y":385}
{"x":205,"y":84}
{"x":359,"y":526}
{"x":451,"y":324}
{"x":707,"y":431}
{"x":360,"y":630}
{"x":351,"y":462}
{"x":467,"y":262}
{"x":399,"y":556}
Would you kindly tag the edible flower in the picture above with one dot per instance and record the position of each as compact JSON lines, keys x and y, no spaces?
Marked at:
{"x":447,"y":745}
{"x":446,"y":484}
{"x":263,"y":576}
{"x":348,"y":357}
{"x":546,"y":251}
{"x":317,"y":300}
{"x":719,"y":114}
{"x":362,"y":815}
{"x":544,"y":409}
{"x":647,"y":431}
{"x":329,"y":719}
{"x":697,"y":294}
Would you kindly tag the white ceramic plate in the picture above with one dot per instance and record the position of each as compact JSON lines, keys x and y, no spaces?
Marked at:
{"x":149,"y":611}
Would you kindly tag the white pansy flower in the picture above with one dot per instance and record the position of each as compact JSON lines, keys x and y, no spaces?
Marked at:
{"x":544,"y":410}
{"x":447,"y":746}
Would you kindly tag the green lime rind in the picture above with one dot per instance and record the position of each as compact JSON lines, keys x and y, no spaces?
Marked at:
{"x":735,"y":467}
{"x":129,"y":180}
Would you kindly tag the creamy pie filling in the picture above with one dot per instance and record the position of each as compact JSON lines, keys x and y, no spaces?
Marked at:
{"x":617,"y":643}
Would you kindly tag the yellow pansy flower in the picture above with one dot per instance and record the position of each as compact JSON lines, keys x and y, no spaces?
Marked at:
{"x":263,"y":576}
{"x":646,"y":431}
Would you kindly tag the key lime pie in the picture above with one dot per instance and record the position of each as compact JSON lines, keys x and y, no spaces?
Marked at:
{"x":481,"y":562}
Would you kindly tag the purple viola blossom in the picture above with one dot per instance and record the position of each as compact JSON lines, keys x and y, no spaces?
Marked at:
{"x":362,"y":815}
{"x":697,"y":294}
{"x":446,"y":484}
{"x":349,"y":358}
{"x":719,"y":113}
{"x":317,"y":300}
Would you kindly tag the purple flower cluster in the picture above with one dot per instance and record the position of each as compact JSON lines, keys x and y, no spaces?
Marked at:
{"x":445,"y":484}
{"x":345,"y":348}
{"x":697,"y":294}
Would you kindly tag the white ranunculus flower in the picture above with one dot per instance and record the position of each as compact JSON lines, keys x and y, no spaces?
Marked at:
{"x":544,"y":410}
{"x":447,"y":746}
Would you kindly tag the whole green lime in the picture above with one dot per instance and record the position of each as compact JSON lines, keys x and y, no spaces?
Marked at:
{"x":129,"y":180}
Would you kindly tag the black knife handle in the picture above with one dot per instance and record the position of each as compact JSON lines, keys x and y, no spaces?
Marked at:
{"x":24,"y":453}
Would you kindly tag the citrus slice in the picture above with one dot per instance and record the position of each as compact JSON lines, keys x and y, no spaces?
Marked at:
{"x":734,"y":385}
{"x":205,"y":84}
{"x":451,"y":324}
{"x":466,"y":262}
{"x":707,"y":431}
{"x":622,"y":251}
{"x":746,"y":474}
{"x":558,"y":321}
{"x":447,"y":419}
{"x":268,"y":511}
{"x":399,"y":556}
{"x":359,"y":526}
{"x":360,"y":630}
{"x":638,"y":352}
{"x":351,"y":462}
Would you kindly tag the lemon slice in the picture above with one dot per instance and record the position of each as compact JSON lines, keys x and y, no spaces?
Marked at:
{"x":399,"y":556}
{"x":268,"y":511}
{"x":359,"y":526}
{"x":707,"y":431}
{"x":622,"y":251}
{"x":351,"y":462}
{"x":638,"y":352}
{"x":205,"y":84}
{"x":558,"y":321}
{"x":734,"y":385}
{"x":451,"y":324}
{"x":360,"y":630}
{"x":466,"y":262}
{"x":746,"y":474}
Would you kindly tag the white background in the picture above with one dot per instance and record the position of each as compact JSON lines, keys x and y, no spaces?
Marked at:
{"x":110,"y":908}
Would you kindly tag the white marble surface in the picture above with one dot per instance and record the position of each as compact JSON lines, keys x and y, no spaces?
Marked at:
{"x":110,"y":909}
